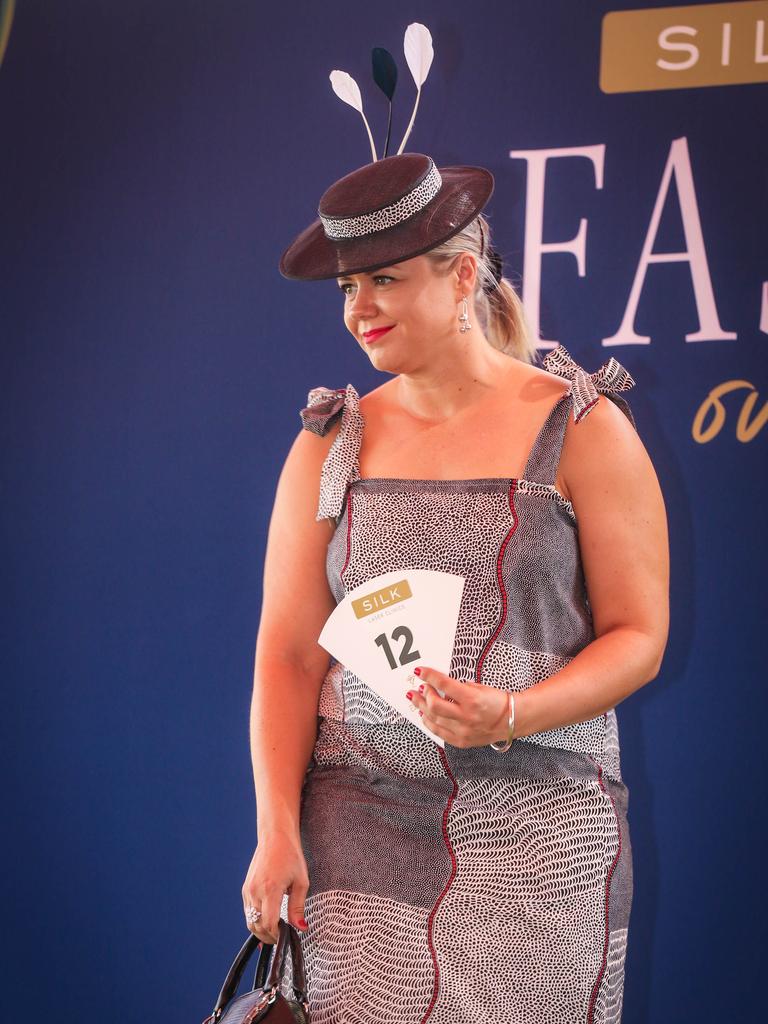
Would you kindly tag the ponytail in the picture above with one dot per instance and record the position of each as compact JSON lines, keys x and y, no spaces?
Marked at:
{"x":497,"y":304}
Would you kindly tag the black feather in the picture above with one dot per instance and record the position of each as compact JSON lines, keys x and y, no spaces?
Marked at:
{"x":385,"y":76}
{"x":384,"y":71}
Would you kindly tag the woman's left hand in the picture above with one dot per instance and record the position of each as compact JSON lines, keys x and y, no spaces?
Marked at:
{"x":470,"y":714}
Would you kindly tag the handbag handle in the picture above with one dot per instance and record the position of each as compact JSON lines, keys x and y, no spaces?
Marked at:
{"x":269,"y":956}
{"x":288,"y":936}
{"x":297,"y":960}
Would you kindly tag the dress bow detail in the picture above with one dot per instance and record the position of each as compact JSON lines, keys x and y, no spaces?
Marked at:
{"x":322,"y":408}
{"x":611,"y":376}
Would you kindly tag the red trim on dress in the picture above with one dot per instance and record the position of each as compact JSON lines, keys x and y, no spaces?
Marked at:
{"x":341,"y":577}
{"x":604,"y":964}
{"x":500,"y":578}
{"x":349,"y":536}
{"x":438,"y":901}
{"x":449,"y":773}
{"x":586,"y":409}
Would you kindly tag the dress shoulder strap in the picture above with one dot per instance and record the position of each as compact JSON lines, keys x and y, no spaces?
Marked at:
{"x":324,"y":407}
{"x":582,"y":396}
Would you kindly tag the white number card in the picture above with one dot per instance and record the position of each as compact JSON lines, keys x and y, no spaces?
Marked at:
{"x":393,"y":622}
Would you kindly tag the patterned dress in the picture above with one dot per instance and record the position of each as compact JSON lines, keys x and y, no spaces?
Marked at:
{"x":460,"y":886}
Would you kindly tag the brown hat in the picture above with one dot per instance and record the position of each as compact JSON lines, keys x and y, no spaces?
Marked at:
{"x":384,"y":212}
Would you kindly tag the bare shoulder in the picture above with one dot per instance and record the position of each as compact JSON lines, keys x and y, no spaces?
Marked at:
{"x":379,"y":398}
{"x":534,"y":383}
{"x":300,"y":475}
{"x":605,"y":465}
{"x":604,"y":433}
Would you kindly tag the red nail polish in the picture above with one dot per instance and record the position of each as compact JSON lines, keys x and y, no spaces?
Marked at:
{"x":409,"y":695}
{"x":421,"y":688}
{"x":417,"y":671}
{"x":303,"y":924}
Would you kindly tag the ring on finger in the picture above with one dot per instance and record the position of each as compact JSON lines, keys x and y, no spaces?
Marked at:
{"x":252,"y":915}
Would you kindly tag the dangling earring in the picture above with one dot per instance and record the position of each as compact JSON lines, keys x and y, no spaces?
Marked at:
{"x":464,"y":318}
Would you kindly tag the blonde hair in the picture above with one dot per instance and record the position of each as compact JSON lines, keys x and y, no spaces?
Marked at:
{"x":499,"y":310}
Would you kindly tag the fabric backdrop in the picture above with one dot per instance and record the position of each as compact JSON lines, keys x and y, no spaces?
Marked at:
{"x":155,"y":159}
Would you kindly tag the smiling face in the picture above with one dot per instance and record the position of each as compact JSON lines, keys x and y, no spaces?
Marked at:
{"x":418,"y":304}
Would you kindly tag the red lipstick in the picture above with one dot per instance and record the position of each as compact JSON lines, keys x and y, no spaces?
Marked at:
{"x":376,"y":333}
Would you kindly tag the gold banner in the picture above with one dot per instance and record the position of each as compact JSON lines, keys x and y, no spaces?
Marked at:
{"x":684,"y":47}
{"x":378,"y":599}
{"x":6,"y":18}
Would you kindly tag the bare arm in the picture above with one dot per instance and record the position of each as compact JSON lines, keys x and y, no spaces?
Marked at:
{"x":289,"y":663}
{"x":289,"y":667}
{"x":624,"y":549}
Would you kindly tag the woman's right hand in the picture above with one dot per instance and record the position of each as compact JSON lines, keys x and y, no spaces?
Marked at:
{"x":277,"y":867}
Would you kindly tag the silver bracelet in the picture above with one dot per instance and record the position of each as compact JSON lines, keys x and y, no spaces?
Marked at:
{"x":510,"y":727}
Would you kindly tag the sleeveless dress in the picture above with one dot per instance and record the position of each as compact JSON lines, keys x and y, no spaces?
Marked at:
{"x":460,"y":886}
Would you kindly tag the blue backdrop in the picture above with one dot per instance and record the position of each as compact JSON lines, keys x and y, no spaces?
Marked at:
{"x":155,"y":159}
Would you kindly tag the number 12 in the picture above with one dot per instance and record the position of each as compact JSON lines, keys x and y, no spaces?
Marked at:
{"x":406,"y":654}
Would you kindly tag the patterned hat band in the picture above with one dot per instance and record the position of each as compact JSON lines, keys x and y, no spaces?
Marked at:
{"x":377,"y":220}
{"x":420,"y":203}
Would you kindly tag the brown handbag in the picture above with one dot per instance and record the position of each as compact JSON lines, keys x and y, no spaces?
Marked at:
{"x":265,"y":1001}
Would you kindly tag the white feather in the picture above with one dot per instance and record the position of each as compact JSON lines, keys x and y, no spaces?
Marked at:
{"x":418,"y":51}
{"x":419,"y":55}
{"x":347,"y":89}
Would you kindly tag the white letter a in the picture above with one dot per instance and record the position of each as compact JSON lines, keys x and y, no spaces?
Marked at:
{"x":695,"y":254}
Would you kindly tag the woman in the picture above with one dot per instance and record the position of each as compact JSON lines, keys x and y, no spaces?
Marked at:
{"x":474,"y":882}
